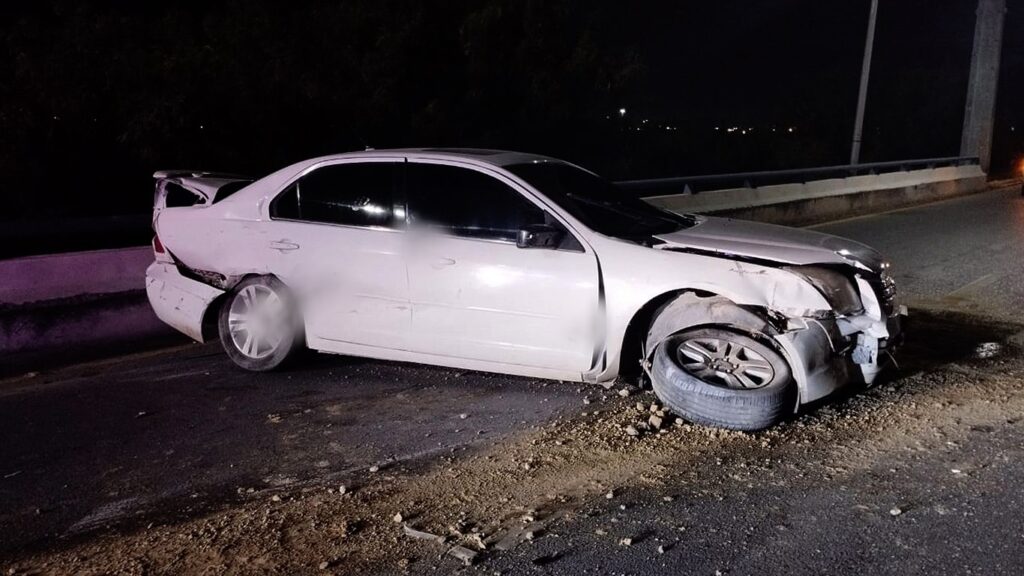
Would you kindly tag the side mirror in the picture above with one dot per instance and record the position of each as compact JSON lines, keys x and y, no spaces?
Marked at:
{"x":540,"y":236}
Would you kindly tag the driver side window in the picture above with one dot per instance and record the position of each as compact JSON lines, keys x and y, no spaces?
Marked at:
{"x":467,"y":203}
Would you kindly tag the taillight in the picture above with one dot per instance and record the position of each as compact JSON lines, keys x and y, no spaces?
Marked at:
{"x":158,"y":246}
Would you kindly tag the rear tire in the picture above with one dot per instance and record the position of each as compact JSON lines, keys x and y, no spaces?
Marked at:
{"x":723,"y":379}
{"x":259,"y":324}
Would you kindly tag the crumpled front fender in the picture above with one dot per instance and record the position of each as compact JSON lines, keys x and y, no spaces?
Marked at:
{"x":690,"y":310}
{"x":813,"y":351}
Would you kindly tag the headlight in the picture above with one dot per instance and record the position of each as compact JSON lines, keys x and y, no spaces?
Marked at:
{"x":885,"y":289}
{"x":837,"y":289}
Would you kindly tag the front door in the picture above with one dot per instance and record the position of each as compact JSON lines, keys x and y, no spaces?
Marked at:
{"x":475,"y":294}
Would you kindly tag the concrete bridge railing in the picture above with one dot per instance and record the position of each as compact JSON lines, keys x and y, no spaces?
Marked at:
{"x":815,"y":195}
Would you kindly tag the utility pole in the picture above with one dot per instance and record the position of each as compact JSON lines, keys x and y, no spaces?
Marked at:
{"x":979,"y":114}
{"x":862,"y":94}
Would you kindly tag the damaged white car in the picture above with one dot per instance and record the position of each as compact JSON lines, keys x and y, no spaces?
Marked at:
{"x":519,"y":264}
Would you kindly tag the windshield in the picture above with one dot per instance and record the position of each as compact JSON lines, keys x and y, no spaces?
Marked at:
{"x":597,"y":203}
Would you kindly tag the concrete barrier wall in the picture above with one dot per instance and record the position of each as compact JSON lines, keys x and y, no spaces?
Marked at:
{"x":75,"y":306}
{"x":823,"y":200}
{"x":56,"y":276}
{"x":57,"y":332}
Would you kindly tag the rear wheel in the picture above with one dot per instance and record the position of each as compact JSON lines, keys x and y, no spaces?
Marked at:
{"x":724,"y":379}
{"x":259,"y":324}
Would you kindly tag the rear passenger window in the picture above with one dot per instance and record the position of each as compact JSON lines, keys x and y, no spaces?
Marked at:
{"x":357,"y":194}
{"x":176,"y":196}
{"x":468,"y":203}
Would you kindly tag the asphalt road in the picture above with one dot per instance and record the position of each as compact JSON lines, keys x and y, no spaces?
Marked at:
{"x":165,"y":436}
{"x":963,"y":254}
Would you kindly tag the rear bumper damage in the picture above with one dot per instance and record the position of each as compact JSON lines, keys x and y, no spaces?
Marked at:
{"x":178,"y":301}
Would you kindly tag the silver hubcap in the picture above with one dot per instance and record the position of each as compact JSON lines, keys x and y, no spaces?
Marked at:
{"x":725,"y":363}
{"x":257,"y":321}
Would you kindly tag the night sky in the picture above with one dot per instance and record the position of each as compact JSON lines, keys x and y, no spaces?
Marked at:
{"x":94,"y":96}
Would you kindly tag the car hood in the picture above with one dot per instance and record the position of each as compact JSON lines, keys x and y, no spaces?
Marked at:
{"x":780,"y":244}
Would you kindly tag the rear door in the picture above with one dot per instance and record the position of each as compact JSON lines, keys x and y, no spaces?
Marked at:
{"x":335,"y":237}
{"x":474,"y":294}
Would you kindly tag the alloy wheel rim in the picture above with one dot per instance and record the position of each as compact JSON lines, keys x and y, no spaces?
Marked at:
{"x":725,"y":363}
{"x":256,"y":321}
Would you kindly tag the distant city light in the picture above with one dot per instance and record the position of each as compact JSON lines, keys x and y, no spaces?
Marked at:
{"x":790,"y":129}
{"x":622,"y":111}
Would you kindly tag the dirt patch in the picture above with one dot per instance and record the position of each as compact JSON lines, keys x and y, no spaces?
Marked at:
{"x":500,"y":501}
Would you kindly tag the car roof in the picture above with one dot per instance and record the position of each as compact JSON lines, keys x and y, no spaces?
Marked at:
{"x":472,"y":155}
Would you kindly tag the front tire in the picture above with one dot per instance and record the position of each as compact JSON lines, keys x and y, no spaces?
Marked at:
{"x":259,"y":324}
{"x":723,"y":379}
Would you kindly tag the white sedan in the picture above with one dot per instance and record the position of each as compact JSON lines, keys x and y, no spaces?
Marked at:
{"x":520,"y":264}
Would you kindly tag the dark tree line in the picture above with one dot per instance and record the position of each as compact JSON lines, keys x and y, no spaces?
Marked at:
{"x":95,"y":95}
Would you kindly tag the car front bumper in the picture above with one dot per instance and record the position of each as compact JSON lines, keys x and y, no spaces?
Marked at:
{"x":830,"y":354}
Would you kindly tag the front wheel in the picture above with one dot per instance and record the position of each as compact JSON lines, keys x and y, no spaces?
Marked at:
{"x":259,"y":324}
{"x":723,"y":379}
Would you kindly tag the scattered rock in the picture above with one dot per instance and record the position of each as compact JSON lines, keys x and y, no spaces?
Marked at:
{"x":462,"y":553}
{"x":374,"y":468}
{"x":655,"y":421}
{"x":626,"y":542}
{"x":624,"y":392}
{"x":275,"y":498}
{"x":463,"y":416}
{"x":342,"y":490}
{"x":661,"y":549}
{"x":895,"y":511}
{"x":324,"y":565}
{"x":632,"y":431}
{"x":610,"y":494}
{"x":397,"y":518}
{"x":420,"y":535}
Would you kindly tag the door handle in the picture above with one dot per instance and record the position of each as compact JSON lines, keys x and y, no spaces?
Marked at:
{"x":283,"y":245}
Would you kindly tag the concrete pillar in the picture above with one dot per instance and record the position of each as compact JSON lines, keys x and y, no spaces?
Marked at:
{"x":979,"y":115}
{"x":862,"y":94}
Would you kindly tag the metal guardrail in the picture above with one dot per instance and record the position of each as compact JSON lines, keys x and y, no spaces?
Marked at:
{"x":711,"y":182}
